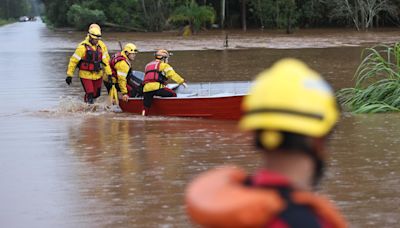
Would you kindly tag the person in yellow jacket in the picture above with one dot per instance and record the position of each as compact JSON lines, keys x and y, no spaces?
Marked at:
{"x":291,"y":111}
{"x":121,"y":67}
{"x":157,"y":73}
{"x":92,"y":58}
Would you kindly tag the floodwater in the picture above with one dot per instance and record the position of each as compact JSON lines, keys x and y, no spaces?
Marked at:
{"x":64,"y":167}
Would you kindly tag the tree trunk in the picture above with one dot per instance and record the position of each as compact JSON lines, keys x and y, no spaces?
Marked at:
{"x":244,"y":23}
{"x":261,"y":20}
{"x":288,"y":23}
{"x":222,"y":13}
{"x":144,"y":9}
{"x":354,"y":12}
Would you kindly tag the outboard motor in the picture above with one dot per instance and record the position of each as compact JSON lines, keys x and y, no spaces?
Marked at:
{"x":135,"y":80}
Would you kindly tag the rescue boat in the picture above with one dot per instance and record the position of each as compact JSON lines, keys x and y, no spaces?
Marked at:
{"x":212,"y":100}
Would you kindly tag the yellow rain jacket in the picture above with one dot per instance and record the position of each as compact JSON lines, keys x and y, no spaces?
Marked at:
{"x":169,"y":73}
{"x":80,"y":53}
{"x":122,"y":69}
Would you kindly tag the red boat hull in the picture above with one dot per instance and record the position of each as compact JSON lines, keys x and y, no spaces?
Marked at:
{"x":227,"y":108}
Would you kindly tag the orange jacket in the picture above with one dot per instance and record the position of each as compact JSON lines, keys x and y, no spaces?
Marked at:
{"x":220,"y":198}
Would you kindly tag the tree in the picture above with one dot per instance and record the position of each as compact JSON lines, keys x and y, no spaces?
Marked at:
{"x":81,"y":17}
{"x":14,"y":8}
{"x":362,"y":13}
{"x":194,"y":15}
{"x":276,"y":13}
{"x":312,"y":13}
{"x":155,"y":19}
{"x":286,"y":14}
{"x":56,"y":11}
{"x":243,"y":9}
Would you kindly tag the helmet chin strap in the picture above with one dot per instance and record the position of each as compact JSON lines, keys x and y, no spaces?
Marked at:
{"x":93,"y":41}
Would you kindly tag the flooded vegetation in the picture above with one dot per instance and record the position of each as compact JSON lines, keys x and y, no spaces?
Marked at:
{"x":377,"y":85}
{"x":64,"y":166}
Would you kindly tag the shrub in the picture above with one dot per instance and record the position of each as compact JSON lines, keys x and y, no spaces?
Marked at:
{"x":81,"y":17}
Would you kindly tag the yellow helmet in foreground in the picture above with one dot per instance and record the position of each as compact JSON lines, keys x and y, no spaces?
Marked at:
{"x":290,"y":97}
{"x":130,"y":48}
{"x":94,"y":31}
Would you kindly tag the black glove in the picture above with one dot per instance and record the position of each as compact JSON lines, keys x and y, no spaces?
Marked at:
{"x":110,"y":79}
{"x":68,"y":80}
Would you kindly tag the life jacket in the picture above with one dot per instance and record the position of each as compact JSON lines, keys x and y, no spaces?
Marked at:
{"x":227,"y":197}
{"x":92,"y":60}
{"x":114,"y":60}
{"x":153,"y":73}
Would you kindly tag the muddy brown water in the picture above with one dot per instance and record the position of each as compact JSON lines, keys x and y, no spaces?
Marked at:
{"x":63,"y":167}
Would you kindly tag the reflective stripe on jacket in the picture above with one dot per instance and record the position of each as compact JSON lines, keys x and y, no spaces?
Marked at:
{"x":121,"y":68}
{"x":80,"y":53}
{"x":151,"y":83}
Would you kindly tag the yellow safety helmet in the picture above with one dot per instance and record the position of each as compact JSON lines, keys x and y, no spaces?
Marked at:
{"x":95,"y":31}
{"x":162,"y":53}
{"x":130,"y":48}
{"x":94,"y":26}
{"x":290,"y":97}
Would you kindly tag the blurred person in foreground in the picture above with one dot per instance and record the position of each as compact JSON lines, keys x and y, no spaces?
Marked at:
{"x":157,"y":73}
{"x":121,"y":67}
{"x":291,"y":110}
{"x":92,"y":58}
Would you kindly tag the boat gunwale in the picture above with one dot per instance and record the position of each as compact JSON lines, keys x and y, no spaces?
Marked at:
{"x":192,"y":97}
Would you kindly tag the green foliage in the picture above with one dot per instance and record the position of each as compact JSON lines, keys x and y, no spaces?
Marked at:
{"x":275,"y":13}
{"x":311,"y":13}
{"x":56,"y":12}
{"x":14,"y":8}
{"x":194,"y":15}
{"x":264,"y":11}
{"x":377,"y":87}
{"x":81,"y":17}
{"x":153,"y":15}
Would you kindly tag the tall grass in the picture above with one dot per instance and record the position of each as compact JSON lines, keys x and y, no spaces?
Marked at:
{"x":377,"y":87}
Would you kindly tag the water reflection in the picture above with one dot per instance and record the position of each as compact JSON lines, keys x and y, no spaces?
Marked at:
{"x":134,"y":171}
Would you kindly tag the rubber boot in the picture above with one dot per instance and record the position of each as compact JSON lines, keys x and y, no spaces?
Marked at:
{"x":90,"y":99}
{"x":145,"y":111}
